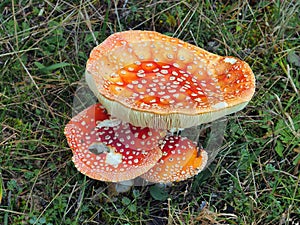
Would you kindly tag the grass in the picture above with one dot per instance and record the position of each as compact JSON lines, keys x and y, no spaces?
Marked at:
{"x":44,"y":48}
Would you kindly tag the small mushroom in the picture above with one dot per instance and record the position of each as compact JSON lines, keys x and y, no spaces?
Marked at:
{"x":100,"y":154}
{"x":181,"y":159}
{"x":151,"y":80}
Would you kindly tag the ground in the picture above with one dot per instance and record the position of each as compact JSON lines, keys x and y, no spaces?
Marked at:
{"x":44,"y":48}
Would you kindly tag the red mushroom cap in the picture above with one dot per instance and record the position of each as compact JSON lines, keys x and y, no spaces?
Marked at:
{"x":181,"y":159}
{"x":152,"y":80}
{"x":99,"y":153}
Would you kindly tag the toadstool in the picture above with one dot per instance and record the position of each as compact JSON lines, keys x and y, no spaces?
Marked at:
{"x":181,"y":159}
{"x":99,"y":153}
{"x":151,"y":80}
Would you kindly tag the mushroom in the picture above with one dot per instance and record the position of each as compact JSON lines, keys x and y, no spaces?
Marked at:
{"x":151,"y":80}
{"x":181,"y":159}
{"x":100,"y":154}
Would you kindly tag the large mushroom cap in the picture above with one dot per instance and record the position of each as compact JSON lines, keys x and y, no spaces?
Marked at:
{"x":152,"y":80}
{"x":181,"y":159}
{"x":100,"y":154}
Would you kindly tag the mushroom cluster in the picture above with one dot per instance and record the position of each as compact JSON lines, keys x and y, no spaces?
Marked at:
{"x":149,"y":84}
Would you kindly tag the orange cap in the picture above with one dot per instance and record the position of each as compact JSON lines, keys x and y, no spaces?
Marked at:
{"x":107,"y":151}
{"x":151,"y":80}
{"x":181,"y":159}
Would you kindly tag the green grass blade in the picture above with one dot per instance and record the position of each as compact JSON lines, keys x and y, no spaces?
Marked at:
{"x":52,"y":67}
{"x":1,"y":189}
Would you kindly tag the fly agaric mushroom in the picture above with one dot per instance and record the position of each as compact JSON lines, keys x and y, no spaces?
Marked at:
{"x":151,"y":80}
{"x":181,"y":159}
{"x":99,"y":153}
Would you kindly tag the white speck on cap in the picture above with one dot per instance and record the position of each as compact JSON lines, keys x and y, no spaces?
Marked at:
{"x":109,"y":123}
{"x":220,"y":105}
{"x":113,"y":158}
{"x":230,"y":60}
